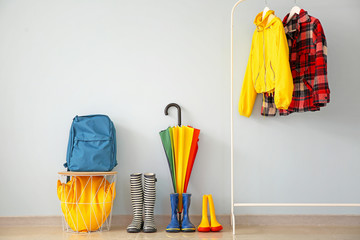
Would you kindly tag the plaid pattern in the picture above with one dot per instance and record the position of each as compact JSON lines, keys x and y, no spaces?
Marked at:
{"x":308,"y":63}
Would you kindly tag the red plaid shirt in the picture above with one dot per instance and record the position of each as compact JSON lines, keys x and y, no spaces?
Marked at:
{"x":308,"y":62}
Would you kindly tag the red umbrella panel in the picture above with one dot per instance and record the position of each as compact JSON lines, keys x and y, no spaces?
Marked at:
{"x":192,"y":156}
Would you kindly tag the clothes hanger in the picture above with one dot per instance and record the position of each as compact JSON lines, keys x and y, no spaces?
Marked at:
{"x":265,"y":9}
{"x":295,"y":9}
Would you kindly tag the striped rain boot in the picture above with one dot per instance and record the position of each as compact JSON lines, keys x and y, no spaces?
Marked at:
{"x":137,"y":200}
{"x":149,"y":202}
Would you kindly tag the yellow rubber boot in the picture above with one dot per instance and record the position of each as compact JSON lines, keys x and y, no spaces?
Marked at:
{"x":215,"y":225}
{"x":204,"y":225}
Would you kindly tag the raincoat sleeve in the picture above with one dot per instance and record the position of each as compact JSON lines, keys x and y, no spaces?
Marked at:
{"x":248,"y":93}
{"x":284,"y":85}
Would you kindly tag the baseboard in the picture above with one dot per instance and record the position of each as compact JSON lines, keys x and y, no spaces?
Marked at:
{"x":298,"y":220}
{"x":241,"y":220}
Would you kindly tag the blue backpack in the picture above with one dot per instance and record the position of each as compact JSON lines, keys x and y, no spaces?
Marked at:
{"x":92,"y":144}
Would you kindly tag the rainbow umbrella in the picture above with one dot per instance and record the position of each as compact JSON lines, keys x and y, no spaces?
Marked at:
{"x":180,"y":145}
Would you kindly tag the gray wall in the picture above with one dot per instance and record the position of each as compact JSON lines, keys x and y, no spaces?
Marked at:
{"x":128,"y":59}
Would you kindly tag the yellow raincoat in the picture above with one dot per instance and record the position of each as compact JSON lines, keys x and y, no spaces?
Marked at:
{"x":268,"y":69}
{"x":86,"y":202}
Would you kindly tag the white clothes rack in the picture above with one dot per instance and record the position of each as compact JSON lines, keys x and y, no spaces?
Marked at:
{"x":233,"y":205}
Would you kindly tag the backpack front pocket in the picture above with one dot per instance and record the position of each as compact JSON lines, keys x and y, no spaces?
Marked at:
{"x":91,"y":155}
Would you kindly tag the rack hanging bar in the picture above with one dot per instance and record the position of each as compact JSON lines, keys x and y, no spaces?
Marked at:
{"x":297,"y":205}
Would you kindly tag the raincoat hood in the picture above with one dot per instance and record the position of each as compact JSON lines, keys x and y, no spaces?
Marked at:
{"x":268,"y":69}
{"x":266,"y":21}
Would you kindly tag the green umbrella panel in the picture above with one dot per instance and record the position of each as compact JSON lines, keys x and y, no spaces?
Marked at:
{"x":166,"y":140}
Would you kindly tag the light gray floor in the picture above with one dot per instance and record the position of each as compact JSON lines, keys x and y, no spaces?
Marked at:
{"x":242,"y":232}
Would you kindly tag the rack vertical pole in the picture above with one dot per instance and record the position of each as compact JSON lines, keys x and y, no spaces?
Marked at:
{"x":231,"y":114}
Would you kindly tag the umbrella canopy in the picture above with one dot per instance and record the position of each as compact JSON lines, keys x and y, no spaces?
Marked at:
{"x":180,"y":145}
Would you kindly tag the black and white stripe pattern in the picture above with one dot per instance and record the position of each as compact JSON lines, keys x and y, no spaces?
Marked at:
{"x":137,"y":200}
{"x":149,"y":202}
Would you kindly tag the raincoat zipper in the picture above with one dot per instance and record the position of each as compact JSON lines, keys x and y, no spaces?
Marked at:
{"x":264,"y":59}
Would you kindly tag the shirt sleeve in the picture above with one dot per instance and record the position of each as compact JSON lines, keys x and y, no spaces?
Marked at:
{"x":321,"y":91}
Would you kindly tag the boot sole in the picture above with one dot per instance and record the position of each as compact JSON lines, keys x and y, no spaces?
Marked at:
{"x":133,"y":230}
{"x":149,"y":230}
{"x":188,"y":230}
{"x":204,"y":229}
{"x":216,"y":229}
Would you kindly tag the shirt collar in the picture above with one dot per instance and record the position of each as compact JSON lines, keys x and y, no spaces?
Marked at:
{"x":294,"y":23}
{"x":304,"y":16}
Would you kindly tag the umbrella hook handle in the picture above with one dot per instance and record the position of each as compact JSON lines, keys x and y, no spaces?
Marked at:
{"x":178,"y":109}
